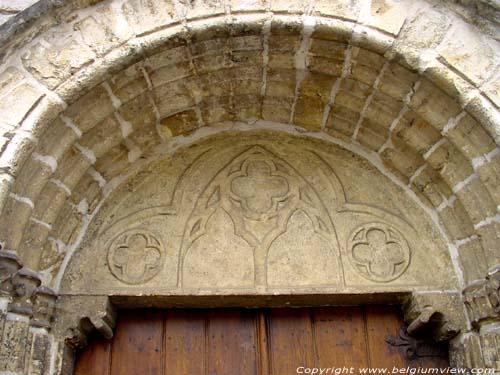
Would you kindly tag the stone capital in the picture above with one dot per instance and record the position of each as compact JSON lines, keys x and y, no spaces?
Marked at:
{"x":25,"y":283}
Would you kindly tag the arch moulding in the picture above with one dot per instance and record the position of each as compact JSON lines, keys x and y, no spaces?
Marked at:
{"x":348,"y":151}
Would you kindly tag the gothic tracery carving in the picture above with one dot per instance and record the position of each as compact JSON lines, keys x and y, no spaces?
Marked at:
{"x":135,"y":256}
{"x":379,"y":252}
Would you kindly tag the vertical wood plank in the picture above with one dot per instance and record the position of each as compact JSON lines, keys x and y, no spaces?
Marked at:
{"x":290,"y":340}
{"x":95,"y":358}
{"x":382,"y":321}
{"x":185,"y":342}
{"x":340,"y":337}
{"x":262,"y":342}
{"x":232,"y":346}
{"x":138,"y":342}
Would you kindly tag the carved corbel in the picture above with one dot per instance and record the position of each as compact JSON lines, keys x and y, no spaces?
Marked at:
{"x":44,"y":304}
{"x":77,"y":316}
{"x":10,"y":263}
{"x":437,"y":314}
{"x":25,"y":283}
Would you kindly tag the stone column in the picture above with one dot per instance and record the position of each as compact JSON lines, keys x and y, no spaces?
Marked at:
{"x":9,"y":265}
{"x":40,"y":340}
{"x":15,"y":339}
{"x":480,"y":348}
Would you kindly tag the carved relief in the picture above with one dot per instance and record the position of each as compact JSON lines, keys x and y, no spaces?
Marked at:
{"x":260,"y":192}
{"x":135,"y":256}
{"x":302,"y":256}
{"x":259,"y":213}
{"x":378,"y":252}
{"x":258,"y":188}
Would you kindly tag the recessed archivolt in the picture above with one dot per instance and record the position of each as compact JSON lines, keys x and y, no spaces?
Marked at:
{"x":331,"y":78}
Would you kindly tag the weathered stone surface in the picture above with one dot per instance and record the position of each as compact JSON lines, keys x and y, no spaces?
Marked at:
{"x":52,"y":67}
{"x":10,"y":263}
{"x":477,"y":61}
{"x":477,"y":350}
{"x":258,"y":197}
{"x":210,"y":69}
{"x":15,"y":343}
{"x":81,"y":315}
{"x":40,"y":353}
{"x":25,"y":283}
{"x":437,"y":314}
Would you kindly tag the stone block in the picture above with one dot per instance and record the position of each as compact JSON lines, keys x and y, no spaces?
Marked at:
{"x":5,"y":186}
{"x":470,"y":137}
{"x":309,"y":112}
{"x":18,"y":102}
{"x":146,"y":17}
{"x":10,"y":78}
{"x":16,"y":153}
{"x":90,"y":109}
{"x":180,"y":123}
{"x":454,"y":85}
{"x":451,"y":164}
{"x":476,"y":200}
{"x":49,"y":201}
{"x":430,"y":186}
{"x":344,"y":9}
{"x":433,"y":105}
{"x":403,"y":161}
{"x":456,"y":221}
{"x":104,"y":136}
{"x":492,"y":88}
{"x":489,"y":173}
{"x":397,"y":81}
{"x":40,"y":351}
{"x":472,"y":260}
{"x":35,"y":235}
{"x":68,"y":224}
{"x":333,"y":29}
{"x":104,"y":30}
{"x":114,"y":163}
{"x":276,"y":109}
{"x":417,"y":133}
{"x":52,"y":65}
{"x":372,"y":134}
{"x":388,"y":16}
{"x":32,"y":178}
{"x":88,"y":190}
{"x":11,"y":231}
{"x":56,"y":140}
{"x":487,"y":114}
{"x":473,"y":54}
{"x":490,"y":238}
{"x":425,"y":30}
{"x":71,"y":168}
{"x":14,"y":344}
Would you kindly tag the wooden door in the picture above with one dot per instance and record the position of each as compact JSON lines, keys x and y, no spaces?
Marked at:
{"x":252,"y":341}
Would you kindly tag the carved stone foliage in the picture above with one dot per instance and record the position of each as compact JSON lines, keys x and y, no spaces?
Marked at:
{"x":25,"y":283}
{"x":482,"y":298}
{"x":379,"y":252}
{"x":135,"y":256}
{"x":9,"y":264}
{"x":260,"y":213}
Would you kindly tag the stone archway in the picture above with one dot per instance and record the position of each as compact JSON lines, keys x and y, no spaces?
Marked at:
{"x":91,"y":94}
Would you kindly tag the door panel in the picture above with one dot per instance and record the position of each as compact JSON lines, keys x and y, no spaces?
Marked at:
{"x":249,"y":342}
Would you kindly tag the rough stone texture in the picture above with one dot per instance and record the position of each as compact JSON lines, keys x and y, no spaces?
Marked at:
{"x":388,"y":79}
{"x":261,"y":201}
